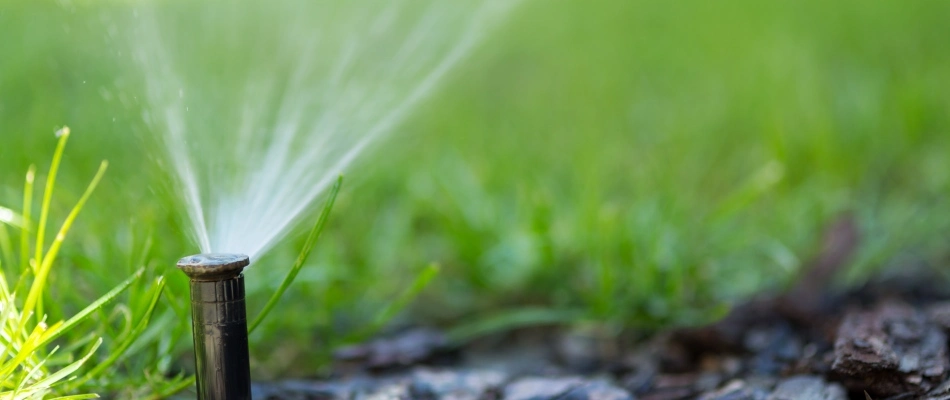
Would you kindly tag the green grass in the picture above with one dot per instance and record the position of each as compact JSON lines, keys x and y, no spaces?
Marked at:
{"x":631,"y":163}
{"x":29,"y":369}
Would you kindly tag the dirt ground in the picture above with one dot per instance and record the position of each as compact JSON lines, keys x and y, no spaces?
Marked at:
{"x":885,"y":340}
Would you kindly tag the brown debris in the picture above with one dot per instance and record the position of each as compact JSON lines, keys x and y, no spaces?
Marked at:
{"x":890,"y":350}
{"x":804,"y":304}
{"x":809,"y":295}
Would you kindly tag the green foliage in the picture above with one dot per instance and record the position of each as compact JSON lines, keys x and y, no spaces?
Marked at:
{"x":29,"y":369}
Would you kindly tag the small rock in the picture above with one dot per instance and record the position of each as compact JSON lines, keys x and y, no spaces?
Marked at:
{"x":265,"y":391}
{"x":707,"y":381}
{"x":673,"y":386}
{"x":405,"y":349}
{"x":939,"y":314}
{"x":293,"y":390}
{"x":537,"y":388}
{"x":392,"y":391}
{"x":454,"y":385}
{"x":670,"y":394}
{"x":587,"y":348}
{"x":776,"y":347}
{"x":643,"y":369}
{"x":736,"y":390}
{"x":596,"y":391}
{"x":807,"y":388}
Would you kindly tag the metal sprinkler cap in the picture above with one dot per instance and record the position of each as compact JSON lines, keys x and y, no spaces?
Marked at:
{"x":213,"y":266}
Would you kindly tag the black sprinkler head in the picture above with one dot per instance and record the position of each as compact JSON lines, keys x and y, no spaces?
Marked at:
{"x":219,"y":325}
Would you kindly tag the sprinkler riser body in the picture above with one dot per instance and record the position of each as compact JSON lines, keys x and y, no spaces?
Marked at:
{"x":219,"y":326}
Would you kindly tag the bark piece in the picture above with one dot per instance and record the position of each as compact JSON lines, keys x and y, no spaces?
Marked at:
{"x":809,"y":296}
{"x":890,"y":350}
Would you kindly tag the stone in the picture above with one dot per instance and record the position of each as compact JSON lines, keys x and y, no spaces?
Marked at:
{"x":596,"y":390}
{"x":404,"y":349}
{"x":307,"y":390}
{"x":391,"y":391}
{"x":454,"y":385}
{"x":807,"y":388}
{"x":540,"y":388}
{"x":736,"y":390}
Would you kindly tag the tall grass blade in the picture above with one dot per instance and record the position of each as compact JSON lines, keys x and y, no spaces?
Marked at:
{"x":302,"y":258}
{"x":11,"y":218}
{"x":419,"y":284}
{"x":53,"y":333}
{"x":6,"y":251}
{"x":63,"y":135}
{"x":27,"y":216}
{"x":39,"y":282}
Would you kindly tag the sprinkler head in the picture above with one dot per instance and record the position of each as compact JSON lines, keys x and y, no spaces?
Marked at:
{"x":213,"y":267}
{"x":219,"y":325}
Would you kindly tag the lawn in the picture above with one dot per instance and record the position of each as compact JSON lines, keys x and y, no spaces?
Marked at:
{"x":632,"y":164}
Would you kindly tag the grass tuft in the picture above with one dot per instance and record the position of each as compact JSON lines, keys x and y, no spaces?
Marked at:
{"x":28,"y":368}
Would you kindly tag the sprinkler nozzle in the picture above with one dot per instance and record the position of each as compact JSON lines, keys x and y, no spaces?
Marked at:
{"x":219,"y":325}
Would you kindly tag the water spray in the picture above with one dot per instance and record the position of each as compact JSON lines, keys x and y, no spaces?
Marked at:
{"x":219,"y":325}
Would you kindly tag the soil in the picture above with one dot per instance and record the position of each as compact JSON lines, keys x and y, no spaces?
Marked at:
{"x":885,"y":340}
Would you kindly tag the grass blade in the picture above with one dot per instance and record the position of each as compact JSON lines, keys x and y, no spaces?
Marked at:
{"x":39,"y":282}
{"x":119,"y":351}
{"x":53,"y":333}
{"x":302,"y":258}
{"x":9,"y":217}
{"x":6,"y":250}
{"x":63,"y":135}
{"x":419,"y":284}
{"x":184,"y":384}
{"x":27,"y":216}
{"x":69,"y":369}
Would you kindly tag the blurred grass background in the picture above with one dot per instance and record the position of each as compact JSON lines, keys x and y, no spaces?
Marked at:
{"x":628,"y":162}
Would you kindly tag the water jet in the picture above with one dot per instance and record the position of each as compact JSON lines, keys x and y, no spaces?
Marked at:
{"x":219,"y":325}
{"x":296,"y":93}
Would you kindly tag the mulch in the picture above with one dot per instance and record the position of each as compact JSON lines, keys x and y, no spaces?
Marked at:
{"x":886,"y":340}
